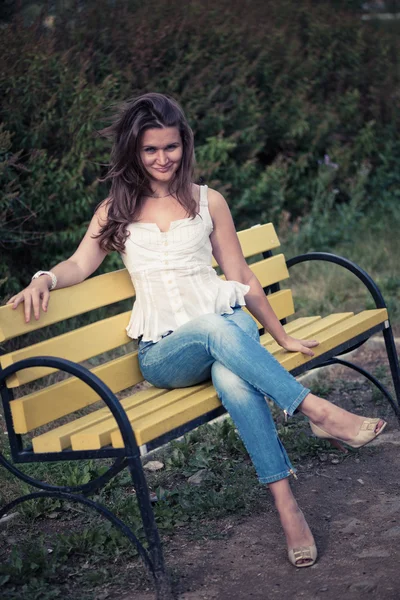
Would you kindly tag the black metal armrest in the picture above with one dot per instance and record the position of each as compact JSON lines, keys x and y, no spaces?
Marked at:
{"x":92,"y":381}
{"x":347,"y":264}
{"x":152,"y":558}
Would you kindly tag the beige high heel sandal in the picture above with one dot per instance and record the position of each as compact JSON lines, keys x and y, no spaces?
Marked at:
{"x":308,"y":553}
{"x":365,"y":435}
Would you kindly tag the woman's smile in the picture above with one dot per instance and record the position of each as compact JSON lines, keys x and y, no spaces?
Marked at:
{"x":161,"y":151}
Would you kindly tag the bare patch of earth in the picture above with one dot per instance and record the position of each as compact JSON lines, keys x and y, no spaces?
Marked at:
{"x":353,"y":509}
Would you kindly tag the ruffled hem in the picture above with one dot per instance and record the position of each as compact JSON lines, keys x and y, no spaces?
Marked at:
{"x":134,"y":335}
{"x":228,"y":295}
{"x":137,"y":325}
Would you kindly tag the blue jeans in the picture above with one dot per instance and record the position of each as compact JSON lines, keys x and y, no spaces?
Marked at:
{"x":227,"y":349}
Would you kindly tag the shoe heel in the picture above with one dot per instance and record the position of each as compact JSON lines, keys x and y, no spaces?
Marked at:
{"x":336,"y":444}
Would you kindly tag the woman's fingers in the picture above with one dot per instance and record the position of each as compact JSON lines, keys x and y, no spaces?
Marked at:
{"x":16,"y":300}
{"x":34,"y":297}
{"x":36,"y":303}
{"x":27,"y":308}
{"x":46,"y":298}
{"x":310,"y":343}
{"x":304,"y":346}
{"x":294,"y":345}
{"x":306,"y":350}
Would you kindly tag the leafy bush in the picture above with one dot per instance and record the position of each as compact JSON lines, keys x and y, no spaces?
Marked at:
{"x":294,"y":108}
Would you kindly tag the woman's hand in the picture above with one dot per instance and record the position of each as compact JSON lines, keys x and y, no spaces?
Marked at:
{"x":37,"y":290}
{"x":294,"y":345}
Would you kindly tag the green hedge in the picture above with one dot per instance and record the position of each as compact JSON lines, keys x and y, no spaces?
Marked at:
{"x":294,"y":106}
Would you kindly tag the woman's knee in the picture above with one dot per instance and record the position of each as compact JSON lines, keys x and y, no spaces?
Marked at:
{"x":228,"y":384}
{"x":246,"y":322}
{"x":251,"y":327}
{"x":209,"y":324}
{"x":215,"y":327}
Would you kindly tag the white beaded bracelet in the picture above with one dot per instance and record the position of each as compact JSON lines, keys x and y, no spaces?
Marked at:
{"x":51,"y":274}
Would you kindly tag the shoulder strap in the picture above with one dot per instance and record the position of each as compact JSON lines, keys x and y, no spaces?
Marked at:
{"x":203,"y":195}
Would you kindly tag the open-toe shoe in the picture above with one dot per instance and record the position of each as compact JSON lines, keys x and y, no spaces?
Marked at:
{"x":306,"y":553}
{"x":365,"y":435}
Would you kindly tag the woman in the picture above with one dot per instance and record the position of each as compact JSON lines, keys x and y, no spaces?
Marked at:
{"x":166,"y":229}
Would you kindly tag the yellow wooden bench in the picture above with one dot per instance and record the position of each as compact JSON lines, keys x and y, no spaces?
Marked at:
{"x":126,"y":430}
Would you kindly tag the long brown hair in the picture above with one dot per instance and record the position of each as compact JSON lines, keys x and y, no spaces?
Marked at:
{"x":129,"y":179}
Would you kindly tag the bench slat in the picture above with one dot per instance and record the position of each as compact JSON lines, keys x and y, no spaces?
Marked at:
{"x":77,"y":345}
{"x":93,"y":293}
{"x":269,"y":270}
{"x":107,"y":334}
{"x":60,"y":438}
{"x":106,"y":289}
{"x":96,"y":430}
{"x":99,"y":434}
{"x":62,"y":398}
{"x":281,"y":303}
{"x":335,"y":336}
{"x":310,"y":330}
{"x":290,"y":328}
{"x":156,"y":424}
{"x":256,"y":239}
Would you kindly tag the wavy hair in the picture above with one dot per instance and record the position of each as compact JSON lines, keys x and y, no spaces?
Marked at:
{"x":129,"y":179}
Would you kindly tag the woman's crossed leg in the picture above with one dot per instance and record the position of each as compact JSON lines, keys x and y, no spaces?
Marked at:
{"x":179,"y":361}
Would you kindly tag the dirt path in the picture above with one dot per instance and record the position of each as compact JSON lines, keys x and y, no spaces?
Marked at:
{"x":354,"y":511}
{"x":357,"y":530}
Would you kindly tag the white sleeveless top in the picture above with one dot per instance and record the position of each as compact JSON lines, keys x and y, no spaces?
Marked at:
{"x":173,"y":277}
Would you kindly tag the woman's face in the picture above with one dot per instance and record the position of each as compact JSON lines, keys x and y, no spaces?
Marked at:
{"x":161,"y":153}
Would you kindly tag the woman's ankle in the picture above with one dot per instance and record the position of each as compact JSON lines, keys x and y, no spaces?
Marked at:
{"x":314,"y":407}
{"x":284,"y":499}
{"x":295,"y":526}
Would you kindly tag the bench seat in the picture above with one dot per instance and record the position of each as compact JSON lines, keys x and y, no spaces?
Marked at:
{"x":154,"y":412}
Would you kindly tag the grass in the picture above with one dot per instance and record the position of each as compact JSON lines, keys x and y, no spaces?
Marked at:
{"x":322,"y":288}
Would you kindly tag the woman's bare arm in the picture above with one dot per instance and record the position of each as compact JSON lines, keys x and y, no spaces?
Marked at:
{"x":85,"y":260}
{"x":228,"y":254}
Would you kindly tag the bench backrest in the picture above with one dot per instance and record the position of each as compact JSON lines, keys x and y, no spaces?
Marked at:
{"x":41,"y":406}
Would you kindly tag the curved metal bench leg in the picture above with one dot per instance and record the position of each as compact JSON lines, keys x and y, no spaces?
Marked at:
{"x":368,"y":376}
{"x":154,"y":562}
{"x":85,"y":489}
{"x":92,"y":504}
{"x":393,"y":360}
{"x":161,"y":578}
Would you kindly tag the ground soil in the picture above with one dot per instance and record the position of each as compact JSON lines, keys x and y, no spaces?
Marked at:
{"x":353,"y":508}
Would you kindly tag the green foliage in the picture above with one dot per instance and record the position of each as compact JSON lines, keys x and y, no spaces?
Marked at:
{"x":310,"y":83}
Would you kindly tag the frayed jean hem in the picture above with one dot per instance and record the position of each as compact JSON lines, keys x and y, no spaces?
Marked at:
{"x":298,"y":401}
{"x":277,"y":477}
